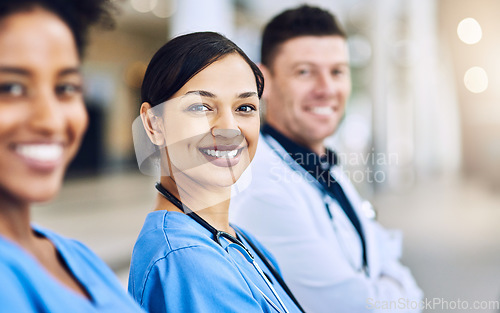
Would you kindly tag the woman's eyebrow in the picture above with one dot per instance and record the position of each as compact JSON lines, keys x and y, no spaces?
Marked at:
{"x":14,"y":70}
{"x":248,"y":95}
{"x":70,"y":71}
{"x":24,"y":72}
{"x":202,"y":93}
{"x":208,"y":94}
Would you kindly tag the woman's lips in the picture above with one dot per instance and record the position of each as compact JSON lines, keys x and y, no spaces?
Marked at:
{"x":41,"y":156}
{"x":226,"y":156}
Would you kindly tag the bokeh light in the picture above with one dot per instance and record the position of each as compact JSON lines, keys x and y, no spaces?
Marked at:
{"x":476,"y":79}
{"x":143,"y":6}
{"x":469,"y":31}
{"x":165,"y":8}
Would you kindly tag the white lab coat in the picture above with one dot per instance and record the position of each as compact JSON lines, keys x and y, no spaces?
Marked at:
{"x":321,"y":258}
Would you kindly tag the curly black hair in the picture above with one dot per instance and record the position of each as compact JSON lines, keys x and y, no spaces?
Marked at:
{"x":79,"y":15}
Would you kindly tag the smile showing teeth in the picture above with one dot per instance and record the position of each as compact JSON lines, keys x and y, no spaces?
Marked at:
{"x":229,"y":154}
{"x":41,"y":152}
{"x":322,"y":110}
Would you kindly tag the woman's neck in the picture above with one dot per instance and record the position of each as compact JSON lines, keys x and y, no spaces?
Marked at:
{"x":15,"y":222}
{"x":15,"y":225}
{"x":211,"y":205}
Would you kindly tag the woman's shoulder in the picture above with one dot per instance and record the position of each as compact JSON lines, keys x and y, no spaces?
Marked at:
{"x":86,"y":265}
{"x":27,"y":285}
{"x":66,"y":247}
{"x":170,"y":231}
{"x":70,"y":249}
{"x":166,"y":236}
{"x":177,"y":256}
{"x":204,"y":273}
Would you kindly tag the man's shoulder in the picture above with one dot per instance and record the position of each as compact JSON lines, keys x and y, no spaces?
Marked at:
{"x":270,"y":180}
{"x":269,"y":162}
{"x":273,"y":165}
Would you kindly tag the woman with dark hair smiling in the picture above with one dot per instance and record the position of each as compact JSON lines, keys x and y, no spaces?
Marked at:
{"x":42,"y":121}
{"x":200,"y":114}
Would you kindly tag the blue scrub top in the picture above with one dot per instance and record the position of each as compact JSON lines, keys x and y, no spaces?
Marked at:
{"x":178,"y":267}
{"x":25,"y":286}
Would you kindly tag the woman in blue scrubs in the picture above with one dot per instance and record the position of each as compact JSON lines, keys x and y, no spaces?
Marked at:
{"x":42,"y":121}
{"x":200,"y":114}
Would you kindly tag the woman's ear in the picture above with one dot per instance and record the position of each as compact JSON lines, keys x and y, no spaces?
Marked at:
{"x":152,"y":125}
{"x":267,"y":79}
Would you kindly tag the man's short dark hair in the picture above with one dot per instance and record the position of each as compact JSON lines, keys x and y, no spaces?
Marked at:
{"x":302,"y":21}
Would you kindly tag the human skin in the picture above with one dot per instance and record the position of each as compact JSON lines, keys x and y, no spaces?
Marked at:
{"x":42,"y":114}
{"x":215,"y":112}
{"x":307,"y":86}
{"x":42,"y":121}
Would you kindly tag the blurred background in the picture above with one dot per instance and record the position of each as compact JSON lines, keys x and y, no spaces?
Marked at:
{"x":420,"y":139}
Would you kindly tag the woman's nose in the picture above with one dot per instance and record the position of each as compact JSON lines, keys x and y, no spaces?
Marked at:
{"x":225,"y":125}
{"x":227,"y":133}
{"x":46,"y":114}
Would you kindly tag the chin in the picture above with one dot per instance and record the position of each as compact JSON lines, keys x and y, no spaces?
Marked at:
{"x":207,"y":177}
{"x":324,"y":132}
{"x":225,"y":180}
{"x":42,"y":196}
{"x":42,"y":192}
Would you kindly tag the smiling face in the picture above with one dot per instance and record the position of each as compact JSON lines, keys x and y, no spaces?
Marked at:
{"x":307,"y":87}
{"x":42,"y":115}
{"x":211,"y":125}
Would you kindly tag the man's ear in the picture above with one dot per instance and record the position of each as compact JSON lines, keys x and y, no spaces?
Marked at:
{"x":152,"y":125}
{"x":268,"y":82}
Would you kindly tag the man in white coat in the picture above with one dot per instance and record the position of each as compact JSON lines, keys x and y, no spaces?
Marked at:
{"x":299,"y":203}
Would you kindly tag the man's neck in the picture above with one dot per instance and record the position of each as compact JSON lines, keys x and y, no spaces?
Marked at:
{"x":316,"y":147}
{"x":277,"y":131}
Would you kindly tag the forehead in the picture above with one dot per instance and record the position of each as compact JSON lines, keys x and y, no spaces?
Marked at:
{"x":312,"y":49}
{"x":36,"y":37}
{"x":230,"y":74}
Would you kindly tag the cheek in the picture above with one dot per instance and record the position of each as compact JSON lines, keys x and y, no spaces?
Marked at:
{"x":251,"y":130}
{"x":183,"y":132}
{"x":345,"y":88}
{"x":77,"y":119}
{"x":7,"y":120}
{"x":77,"y":122}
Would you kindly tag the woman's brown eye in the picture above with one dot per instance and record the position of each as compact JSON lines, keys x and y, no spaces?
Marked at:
{"x":68,"y":89}
{"x":12,"y":89}
{"x":199,"y":107}
{"x":246,"y":108}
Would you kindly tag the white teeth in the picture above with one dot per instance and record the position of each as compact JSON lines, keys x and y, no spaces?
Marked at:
{"x":221,"y":153}
{"x":41,"y":152}
{"x":210,"y":152}
{"x":322,"y":110}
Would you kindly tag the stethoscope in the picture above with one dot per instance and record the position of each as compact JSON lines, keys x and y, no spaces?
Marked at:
{"x":239,"y":246}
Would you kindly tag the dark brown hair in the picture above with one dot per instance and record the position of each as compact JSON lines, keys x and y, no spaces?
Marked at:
{"x":301,"y":21}
{"x":182,"y":58}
